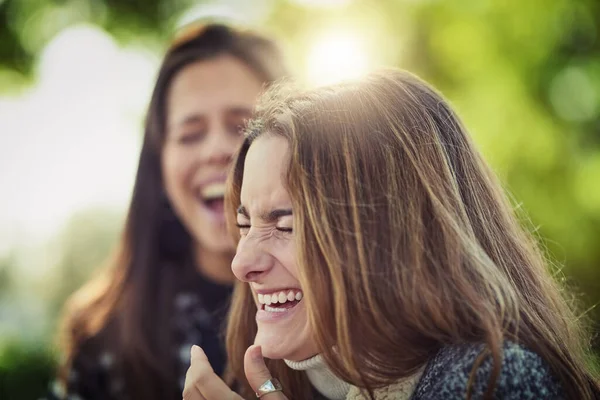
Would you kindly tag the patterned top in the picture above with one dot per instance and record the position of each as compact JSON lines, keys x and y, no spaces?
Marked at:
{"x":198,"y":317}
{"x":523,"y":376}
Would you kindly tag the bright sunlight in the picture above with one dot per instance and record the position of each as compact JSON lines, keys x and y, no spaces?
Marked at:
{"x":336,"y":57}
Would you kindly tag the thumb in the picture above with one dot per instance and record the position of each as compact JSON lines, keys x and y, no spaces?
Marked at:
{"x":257,"y":372}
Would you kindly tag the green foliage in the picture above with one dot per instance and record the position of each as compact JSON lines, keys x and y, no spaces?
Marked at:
{"x":27,"y":26}
{"x":6,"y":277}
{"x":24,"y":371}
{"x":85,"y":242}
{"x":27,"y":364}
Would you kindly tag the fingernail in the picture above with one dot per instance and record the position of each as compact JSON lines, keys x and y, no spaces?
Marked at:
{"x":194,"y":351}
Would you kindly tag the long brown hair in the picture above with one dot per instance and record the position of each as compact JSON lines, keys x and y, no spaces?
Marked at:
{"x":406,"y":241}
{"x":129,"y":304}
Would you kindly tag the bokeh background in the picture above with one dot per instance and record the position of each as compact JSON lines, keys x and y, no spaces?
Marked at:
{"x":76,"y":76}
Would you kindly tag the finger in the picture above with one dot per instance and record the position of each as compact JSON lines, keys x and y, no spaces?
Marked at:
{"x":257,"y":372}
{"x":189,"y":390}
{"x":191,"y":393}
{"x":202,"y":379}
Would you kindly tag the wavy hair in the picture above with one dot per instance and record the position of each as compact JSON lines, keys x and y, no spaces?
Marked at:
{"x":406,"y":241}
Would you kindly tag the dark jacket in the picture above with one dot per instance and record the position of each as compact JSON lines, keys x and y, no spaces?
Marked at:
{"x":523,"y":376}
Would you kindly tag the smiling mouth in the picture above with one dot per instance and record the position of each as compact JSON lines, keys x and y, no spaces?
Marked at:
{"x":212,"y":197}
{"x":216,"y":205}
{"x":281,"y":301}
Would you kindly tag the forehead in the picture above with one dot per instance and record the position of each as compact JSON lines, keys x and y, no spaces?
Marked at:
{"x":217,"y":82}
{"x":265,"y":167}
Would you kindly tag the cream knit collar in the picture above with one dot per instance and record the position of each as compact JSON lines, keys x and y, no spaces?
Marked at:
{"x":321,"y":377}
{"x":333,"y":388}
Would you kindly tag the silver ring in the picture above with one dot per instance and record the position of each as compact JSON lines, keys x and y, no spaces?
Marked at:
{"x":270,"y":386}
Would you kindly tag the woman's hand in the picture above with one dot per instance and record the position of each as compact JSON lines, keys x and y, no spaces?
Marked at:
{"x":201,"y":382}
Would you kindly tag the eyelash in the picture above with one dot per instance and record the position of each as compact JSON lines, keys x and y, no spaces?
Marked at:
{"x":241,"y":226}
{"x":190,"y":138}
{"x":284,"y":230}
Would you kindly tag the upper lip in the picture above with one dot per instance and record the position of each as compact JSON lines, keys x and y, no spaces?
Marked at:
{"x":219,"y":178}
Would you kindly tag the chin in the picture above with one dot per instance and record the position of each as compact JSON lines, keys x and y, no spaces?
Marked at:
{"x":274,"y":348}
{"x":271,"y":350}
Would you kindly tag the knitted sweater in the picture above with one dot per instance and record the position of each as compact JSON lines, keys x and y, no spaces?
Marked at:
{"x":523,"y":376}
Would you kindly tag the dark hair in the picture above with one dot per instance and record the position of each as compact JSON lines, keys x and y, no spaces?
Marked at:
{"x":129,"y":303}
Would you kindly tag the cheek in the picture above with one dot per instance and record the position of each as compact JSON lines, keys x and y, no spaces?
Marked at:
{"x":286,"y":253}
{"x":177,"y":168}
{"x":232,"y":137}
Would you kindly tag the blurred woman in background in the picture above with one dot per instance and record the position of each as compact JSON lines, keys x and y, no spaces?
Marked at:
{"x":127,"y":333}
{"x":382,"y":260}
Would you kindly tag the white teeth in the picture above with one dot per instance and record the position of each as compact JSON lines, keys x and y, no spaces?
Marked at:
{"x":279,"y":297}
{"x":213,"y":190}
{"x":275,"y":309}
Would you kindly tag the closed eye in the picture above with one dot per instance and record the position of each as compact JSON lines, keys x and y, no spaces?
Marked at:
{"x":245,"y":227}
{"x":190,"y":138}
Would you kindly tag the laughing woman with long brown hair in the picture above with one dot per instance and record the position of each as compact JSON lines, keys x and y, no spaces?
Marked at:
{"x":380,"y":258}
{"x":127,"y":333}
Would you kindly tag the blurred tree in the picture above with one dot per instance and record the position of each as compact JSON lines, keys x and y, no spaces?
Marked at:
{"x":26,"y":26}
{"x":27,"y":363}
{"x":24,"y":371}
{"x":6,"y":276}
{"x":84,"y":244}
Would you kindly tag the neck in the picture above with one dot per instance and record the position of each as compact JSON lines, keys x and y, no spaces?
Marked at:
{"x":215,"y":266}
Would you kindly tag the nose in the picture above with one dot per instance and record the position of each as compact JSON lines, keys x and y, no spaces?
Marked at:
{"x":219,"y":146}
{"x":251,"y":262}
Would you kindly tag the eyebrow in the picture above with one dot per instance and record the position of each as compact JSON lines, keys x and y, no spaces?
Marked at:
{"x":197,"y":117}
{"x":270,"y":216}
{"x":238,"y":110}
{"x":187,"y":120}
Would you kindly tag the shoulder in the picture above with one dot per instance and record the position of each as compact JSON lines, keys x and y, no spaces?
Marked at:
{"x":89,"y":369}
{"x":523,"y":375}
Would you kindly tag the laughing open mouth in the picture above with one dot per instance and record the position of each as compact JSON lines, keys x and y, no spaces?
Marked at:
{"x":212,"y":196}
{"x":280,"y":301}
